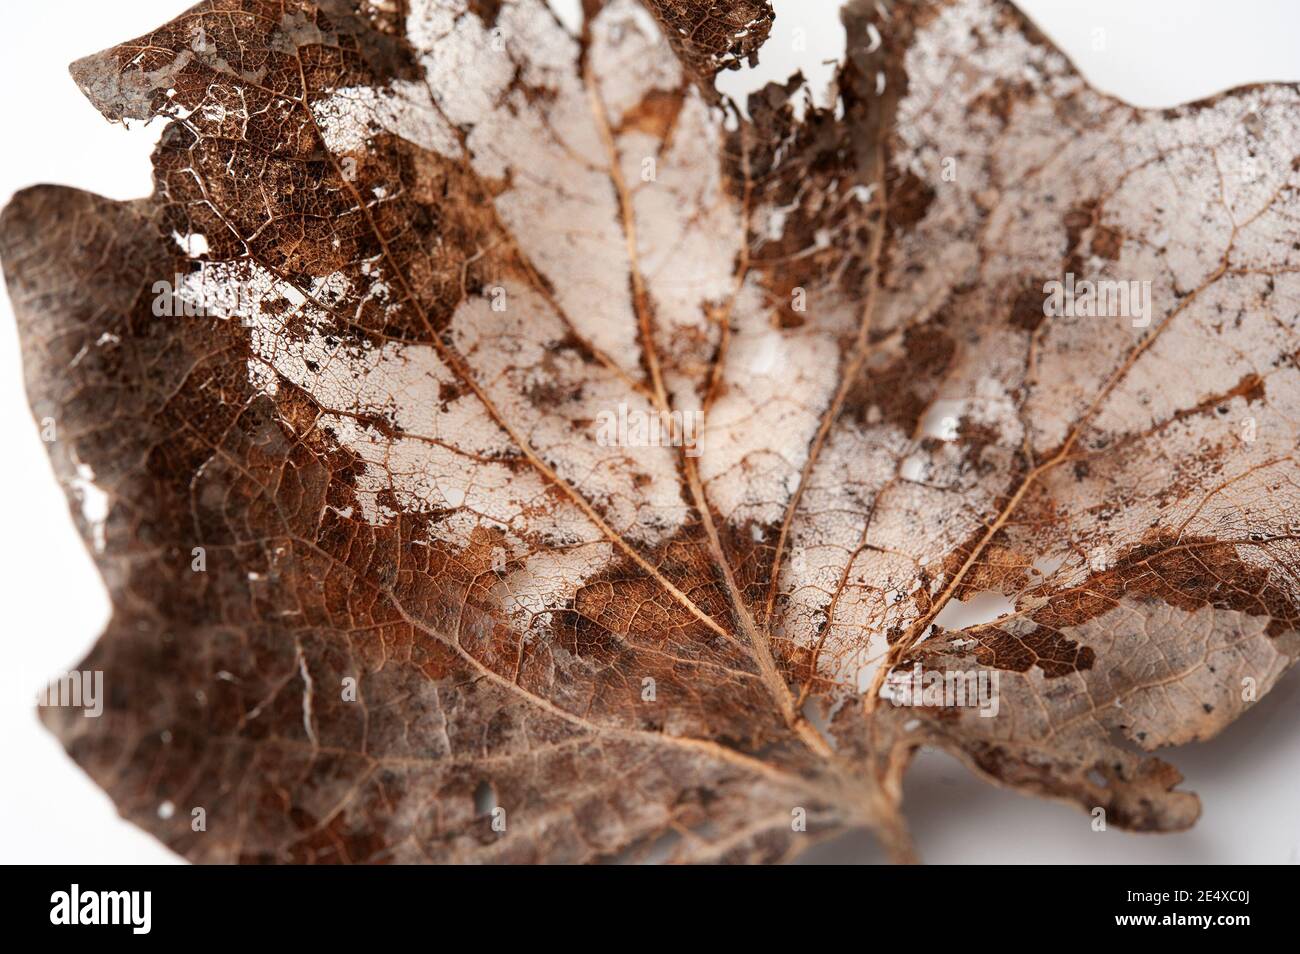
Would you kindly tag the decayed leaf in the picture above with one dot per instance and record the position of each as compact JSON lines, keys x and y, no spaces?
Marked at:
{"x":401,"y":569}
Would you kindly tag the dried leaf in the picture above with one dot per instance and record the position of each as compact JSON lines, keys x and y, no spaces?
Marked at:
{"x":514,"y":452}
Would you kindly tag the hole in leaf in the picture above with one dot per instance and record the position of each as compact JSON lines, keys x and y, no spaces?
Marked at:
{"x":485,"y":798}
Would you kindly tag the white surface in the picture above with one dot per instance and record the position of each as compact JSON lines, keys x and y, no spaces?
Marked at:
{"x":1155,"y":53}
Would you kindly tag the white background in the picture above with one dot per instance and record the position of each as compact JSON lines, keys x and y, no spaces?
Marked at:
{"x":1156,"y":53}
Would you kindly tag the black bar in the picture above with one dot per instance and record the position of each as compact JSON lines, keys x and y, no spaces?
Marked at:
{"x":336,"y":905}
